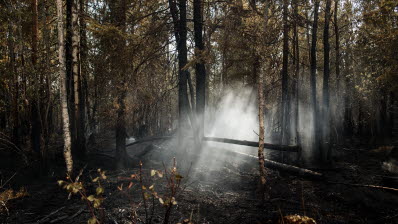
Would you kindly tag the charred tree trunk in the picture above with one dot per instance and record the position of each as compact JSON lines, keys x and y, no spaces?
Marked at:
{"x":326,"y":151}
{"x":63,"y":94}
{"x":83,"y":84}
{"x":348,"y":91}
{"x":35,"y":114}
{"x":180,"y":32}
{"x":296,"y":63}
{"x":285,"y":78}
{"x":69,"y":69}
{"x":119,"y":66}
{"x":313,"y":80}
{"x":200,"y":69}
{"x":337,"y":67}
{"x":78,"y":147}
{"x":15,"y":84}
{"x":183,"y":73}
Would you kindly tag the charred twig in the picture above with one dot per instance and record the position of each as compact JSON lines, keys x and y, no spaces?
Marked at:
{"x":394,"y":190}
{"x":77,"y":213}
{"x":59,"y":219}
{"x":45,"y":218}
{"x":4,"y":184}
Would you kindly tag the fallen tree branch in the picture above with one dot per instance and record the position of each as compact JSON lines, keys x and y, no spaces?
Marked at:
{"x":297,"y":171}
{"x":149,"y":140}
{"x":309,"y":173}
{"x":285,"y":148}
{"x":395,"y":190}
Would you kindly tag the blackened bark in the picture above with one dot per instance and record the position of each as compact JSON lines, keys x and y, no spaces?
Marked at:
{"x":326,"y":150}
{"x":313,"y":80}
{"x":200,"y":69}
{"x":12,"y":67}
{"x":285,"y":77}
{"x":180,"y":32}
{"x":35,"y":115}
{"x":69,"y":73}
{"x":119,"y":65}
{"x":337,"y":46}
{"x":296,"y":63}
{"x":83,"y":96}
{"x":182,"y":61}
{"x":63,"y":95}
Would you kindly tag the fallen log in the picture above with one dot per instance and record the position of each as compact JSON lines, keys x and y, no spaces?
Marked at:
{"x":285,"y":148}
{"x":294,"y":170}
{"x":149,"y":140}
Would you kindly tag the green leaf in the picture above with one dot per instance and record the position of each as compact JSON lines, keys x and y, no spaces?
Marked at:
{"x":60,"y":182}
{"x":146,"y":195}
{"x":173,"y":201}
{"x":153,"y":172}
{"x":151,"y":187}
{"x":97,"y":203}
{"x":96,"y":179}
{"x":92,"y":220}
{"x":161,"y":201}
{"x":99,"y":190}
{"x":91,"y":198}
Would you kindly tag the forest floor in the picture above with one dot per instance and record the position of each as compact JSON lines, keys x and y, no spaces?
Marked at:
{"x":225,"y":191}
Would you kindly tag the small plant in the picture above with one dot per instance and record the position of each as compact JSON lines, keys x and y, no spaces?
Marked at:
{"x":9,"y":195}
{"x":149,"y":195}
{"x":173,"y":179}
{"x":93,"y":201}
{"x":296,"y":219}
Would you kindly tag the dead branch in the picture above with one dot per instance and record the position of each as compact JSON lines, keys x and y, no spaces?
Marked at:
{"x":45,"y":218}
{"x":285,"y":148}
{"x":393,"y":190}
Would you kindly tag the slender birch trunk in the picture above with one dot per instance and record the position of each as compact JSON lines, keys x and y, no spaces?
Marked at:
{"x":76,"y":76}
{"x":64,"y":101}
{"x":261,"y":117}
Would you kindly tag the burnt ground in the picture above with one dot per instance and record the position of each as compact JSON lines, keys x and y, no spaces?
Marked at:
{"x":224,"y":193}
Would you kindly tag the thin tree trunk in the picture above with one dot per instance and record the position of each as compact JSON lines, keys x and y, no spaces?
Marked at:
{"x":69,"y":69}
{"x":119,"y":65}
{"x":296,"y":62}
{"x":285,"y":78}
{"x":63,"y":94}
{"x":200,"y":69}
{"x":337,"y":47}
{"x":15,"y":110}
{"x":76,"y":78}
{"x":35,"y":103}
{"x":337,"y":67}
{"x":313,"y":81}
{"x":183,"y":74}
{"x":180,"y":32}
{"x":326,"y":150}
{"x":261,"y":112}
{"x":84,"y":103}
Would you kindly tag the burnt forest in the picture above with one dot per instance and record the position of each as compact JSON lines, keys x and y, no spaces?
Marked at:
{"x":198,"y":111}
